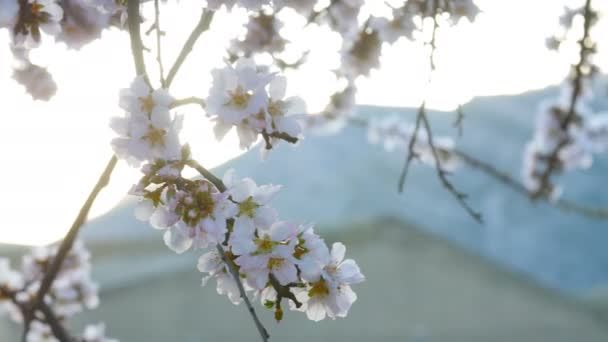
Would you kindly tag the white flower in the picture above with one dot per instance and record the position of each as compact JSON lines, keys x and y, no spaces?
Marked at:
{"x":40,"y":332}
{"x":344,"y":15}
{"x":396,"y":134}
{"x":253,"y":210}
{"x":311,"y":253}
{"x":304,"y":7}
{"x":330,"y":294}
{"x":462,"y":8}
{"x":361,"y":53}
{"x":401,"y":25}
{"x":212,"y":263}
{"x":251,"y":5}
{"x":238,"y":98}
{"x":38,"y":82}
{"x":43,"y":15}
{"x":82,"y":23}
{"x":146,"y":132}
{"x":8,"y":277}
{"x":203,"y":213}
{"x":262,"y":36}
{"x":281,"y":114}
{"x":273,"y":255}
{"x":96,"y":333}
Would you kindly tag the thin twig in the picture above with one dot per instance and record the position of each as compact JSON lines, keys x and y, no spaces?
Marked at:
{"x":509,"y":181}
{"x":159,"y":59}
{"x":70,"y":237}
{"x":202,"y":26}
{"x":411,"y":155}
{"x":55,"y":324}
{"x":441,"y":173}
{"x":235,"y":274}
{"x":188,"y":101}
{"x":233,"y":270}
{"x":553,"y":160}
{"x":137,"y":46}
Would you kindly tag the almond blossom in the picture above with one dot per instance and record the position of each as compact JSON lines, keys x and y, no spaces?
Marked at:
{"x":39,"y":15}
{"x":203,"y":212}
{"x":273,"y":254}
{"x":147,"y":131}
{"x":330,"y":293}
{"x":253,"y":210}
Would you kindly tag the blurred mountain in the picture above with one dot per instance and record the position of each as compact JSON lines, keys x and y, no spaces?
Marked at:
{"x":330,"y":180}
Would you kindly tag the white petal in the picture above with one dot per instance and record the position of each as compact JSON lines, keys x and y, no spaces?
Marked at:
{"x":176,"y":240}
{"x":277,"y":88}
{"x":338,"y":250}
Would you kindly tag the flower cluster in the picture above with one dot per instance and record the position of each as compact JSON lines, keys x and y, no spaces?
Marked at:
{"x":395,"y":134}
{"x":573,"y":141}
{"x":72,"y":291}
{"x":271,"y":256}
{"x":73,"y":22}
{"x":147,"y":131}
{"x":233,"y":216}
{"x":567,"y":133}
{"x":253,"y":101}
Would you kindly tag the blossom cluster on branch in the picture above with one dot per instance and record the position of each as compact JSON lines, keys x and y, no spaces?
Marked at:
{"x":276,"y":259}
{"x":567,"y":132}
{"x":72,"y":292}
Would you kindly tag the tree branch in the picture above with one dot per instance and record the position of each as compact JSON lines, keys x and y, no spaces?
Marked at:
{"x":235,"y":274}
{"x":159,"y":59}
{"x":137,"y":47}
{"x":69,"y":239}
{"x":553,"y":161}
{"x":202,"y":26}
{"x":188,"y":101}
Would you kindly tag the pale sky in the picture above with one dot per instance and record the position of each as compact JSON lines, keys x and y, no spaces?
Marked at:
{"x":54,"y":151}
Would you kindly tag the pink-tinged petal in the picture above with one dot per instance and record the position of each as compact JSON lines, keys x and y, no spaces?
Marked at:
{"x":264,"y":217}
{"x":246,"y":137}
{"x":316,"y":310}
{"x":210,"y":262}
{"x":310,"y":269}
{"x":289,"y":125}
{"x":296,"y":107}
{"x":176,"y":240}
{"x":286,"y":274}
{"x":221,"y":129}
{"x":162,"y":97}
{"x":160,"y":117}
{"x":277,"y":88}
{"x":338,"y":250}
{"x":229,"y":178}
{"x":344,"y":300}
{"x":265,"y":193}
{"x":349,"y":272}
{"x":163,"y":218}
{"x":144,"y":210}
{"x":120,"y":125}
{"x":241,"y":190}
{"x":139,"y":88}
{"x":283,"y":230}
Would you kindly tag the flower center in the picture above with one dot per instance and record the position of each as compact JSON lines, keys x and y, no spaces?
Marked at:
{"x":156,"y":136}
{"x":239,"y":99}
{"x":275,"y":263}
{"x":275,"y":108}
{"x":248,"y":207}
{"x":319,"y":289}
{"x":147,"y":103}
{"x":36,"y":7}
{"x":265,"y":245}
